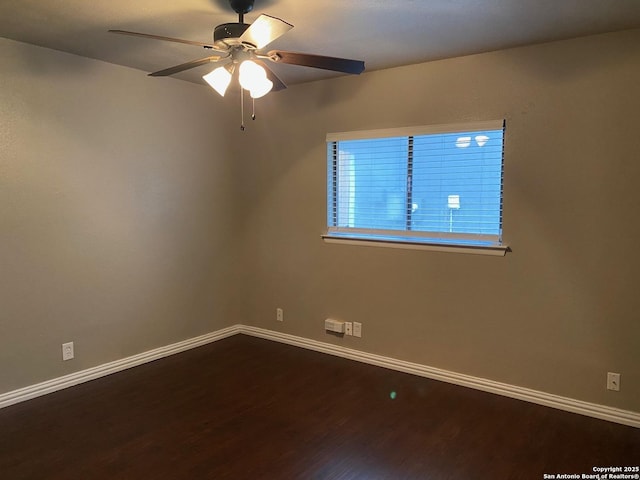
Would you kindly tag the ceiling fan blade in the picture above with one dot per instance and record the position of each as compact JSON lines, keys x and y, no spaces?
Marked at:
{"x":185,"y":66}
{"x":166,"y":39}
{"x":264,"y":31}
{"x":277,"y":83}
{"x":343,"y":65}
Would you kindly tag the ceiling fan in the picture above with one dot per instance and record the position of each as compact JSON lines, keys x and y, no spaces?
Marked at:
{"x":239,"y":47}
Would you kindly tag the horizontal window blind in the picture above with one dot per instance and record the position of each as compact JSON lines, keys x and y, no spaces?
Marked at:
{"x":436,"y":183}
{"x":416,"y":130}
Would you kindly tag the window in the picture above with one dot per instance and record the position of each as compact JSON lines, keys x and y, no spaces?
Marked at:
{"x":438,"y":186}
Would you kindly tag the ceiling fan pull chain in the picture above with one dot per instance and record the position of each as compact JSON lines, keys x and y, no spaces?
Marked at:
{"x":242,"y":109}
{"x":253,"y":108}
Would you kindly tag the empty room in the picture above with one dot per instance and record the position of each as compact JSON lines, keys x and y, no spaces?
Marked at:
{"x":336,"y":239}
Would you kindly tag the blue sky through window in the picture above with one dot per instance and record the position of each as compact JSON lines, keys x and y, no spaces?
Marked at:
{"x":447,"y":182}
{"x":470,"y":171}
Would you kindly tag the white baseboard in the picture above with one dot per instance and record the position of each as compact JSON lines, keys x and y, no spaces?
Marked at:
{"x":602,"y":412}
{"x":103,"y":370}
{"x":611,"y":414}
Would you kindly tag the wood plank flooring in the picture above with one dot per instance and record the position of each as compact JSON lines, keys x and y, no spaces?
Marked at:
{"x":246,"y":408}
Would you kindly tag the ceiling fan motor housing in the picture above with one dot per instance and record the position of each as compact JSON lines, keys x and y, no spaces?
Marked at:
{"x":228,"y":34}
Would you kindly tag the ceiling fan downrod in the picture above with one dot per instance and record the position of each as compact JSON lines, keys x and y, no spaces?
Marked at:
{"x":225,"y":31}
{"x":241,"y":7}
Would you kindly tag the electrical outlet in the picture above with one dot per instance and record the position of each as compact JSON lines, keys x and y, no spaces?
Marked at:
{"x":279,"y":315}
{"x":613,"y":381}
{"x":67,"y":351}
{"x":357,"y":329}
{"x":348,"y":328}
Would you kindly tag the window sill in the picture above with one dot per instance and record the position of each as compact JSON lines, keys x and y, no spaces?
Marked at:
{"x":492,"y":250}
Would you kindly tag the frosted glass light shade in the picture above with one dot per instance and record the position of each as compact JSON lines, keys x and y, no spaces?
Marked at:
{"x":219,"y":79}
{"x":252,"y":75}
{"x":262,"y":89}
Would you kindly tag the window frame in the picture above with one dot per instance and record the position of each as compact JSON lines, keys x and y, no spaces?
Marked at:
{"x":407,"y":238}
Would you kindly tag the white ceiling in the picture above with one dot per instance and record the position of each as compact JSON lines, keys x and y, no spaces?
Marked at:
{"x":383,"y":33}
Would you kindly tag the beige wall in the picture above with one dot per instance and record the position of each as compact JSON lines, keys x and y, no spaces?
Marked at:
{"x":114,"y":223}
{"x":118,"y":195}
{"x":555,"y":314}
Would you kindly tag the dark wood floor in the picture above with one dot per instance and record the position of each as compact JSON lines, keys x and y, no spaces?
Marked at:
{"x":245,"y":408}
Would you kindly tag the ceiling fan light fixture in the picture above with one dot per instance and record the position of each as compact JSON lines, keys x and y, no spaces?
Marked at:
{"x":219,"y":79}
{"x":262,"y":89}
{"x":236,"y":44}
{"x":252,"y":75}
